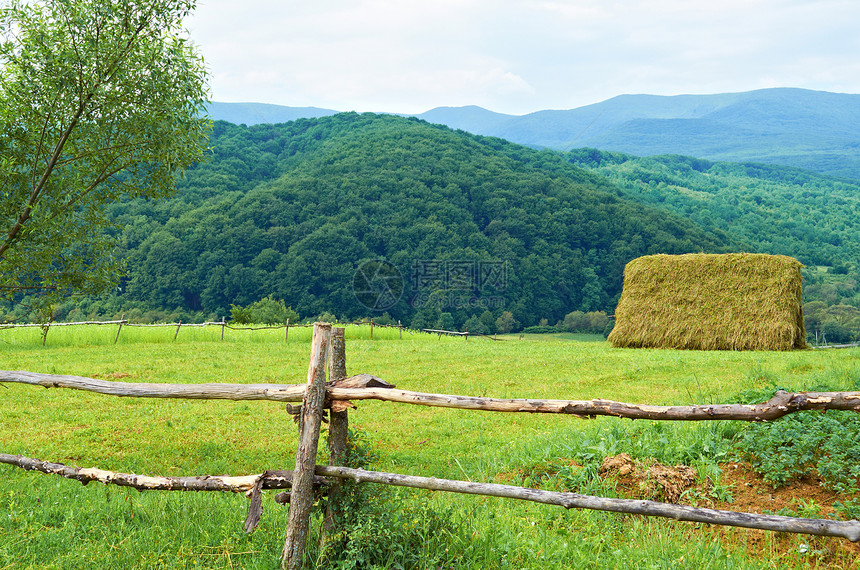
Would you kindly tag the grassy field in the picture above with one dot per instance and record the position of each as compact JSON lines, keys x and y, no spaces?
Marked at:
{"x":49,"y":522}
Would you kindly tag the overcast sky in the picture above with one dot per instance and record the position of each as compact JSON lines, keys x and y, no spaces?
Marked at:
{"x":518,"y":56}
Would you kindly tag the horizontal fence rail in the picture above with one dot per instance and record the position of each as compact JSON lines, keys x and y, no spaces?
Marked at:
{"x":820,"y":527}
{"x":281,"y":479}
{"x":284,"y":479}
{"x":360,"y":387}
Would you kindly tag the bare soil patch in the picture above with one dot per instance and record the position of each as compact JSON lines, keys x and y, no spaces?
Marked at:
{"x":804,"y":497}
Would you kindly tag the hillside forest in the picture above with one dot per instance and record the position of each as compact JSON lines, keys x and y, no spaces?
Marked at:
{"x":357,"y":215}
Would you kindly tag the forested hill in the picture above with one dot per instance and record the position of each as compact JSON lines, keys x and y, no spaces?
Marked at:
{"x":772,"y":209}
{"x":470,"y":224}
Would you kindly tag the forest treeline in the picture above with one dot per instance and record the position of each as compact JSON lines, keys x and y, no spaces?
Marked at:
{"x":357,"y":215}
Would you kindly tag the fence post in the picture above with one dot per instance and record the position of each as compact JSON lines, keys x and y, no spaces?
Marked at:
{"x":223,"y":324}
{"x":399,"y":326}
{"x":121,"y":320}
{"x":287,"y":330}
{"x":301,"y":494}
{"x":45,"y":328}
{"x":176,"y":334}
{"x":371,"y":328}
{"x":338,"y":432}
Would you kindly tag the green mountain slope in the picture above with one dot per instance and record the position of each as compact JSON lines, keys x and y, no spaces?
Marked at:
{"x":770,"y":209}
{"x":470,"y":224}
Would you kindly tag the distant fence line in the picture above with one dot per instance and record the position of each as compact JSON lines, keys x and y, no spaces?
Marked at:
{"x":123,"y":322}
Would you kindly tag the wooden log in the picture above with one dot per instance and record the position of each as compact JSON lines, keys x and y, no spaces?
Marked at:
{"x":781,"y":404}
{"x":820,"y":527}
{"x":301,"y":494}
{"x":226,"y":483}
{"x":338,"y":434}
{"x":212,"y":391}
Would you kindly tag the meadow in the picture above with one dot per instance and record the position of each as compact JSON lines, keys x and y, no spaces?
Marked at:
{"x":50,"y":522}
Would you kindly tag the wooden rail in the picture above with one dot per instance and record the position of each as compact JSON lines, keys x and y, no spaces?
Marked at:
{"x":368,"y":387}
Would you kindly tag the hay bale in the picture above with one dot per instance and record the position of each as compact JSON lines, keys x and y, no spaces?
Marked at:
{"x":736,"y":301}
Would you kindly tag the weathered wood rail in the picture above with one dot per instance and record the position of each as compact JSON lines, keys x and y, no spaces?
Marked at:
{"x":316,"y":395}
{"x":368,"y":387}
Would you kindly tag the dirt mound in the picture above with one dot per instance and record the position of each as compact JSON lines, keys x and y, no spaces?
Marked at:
{"x":650,"y":479}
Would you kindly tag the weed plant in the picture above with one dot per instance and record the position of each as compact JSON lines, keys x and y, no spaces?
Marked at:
{"x":824,"y":443}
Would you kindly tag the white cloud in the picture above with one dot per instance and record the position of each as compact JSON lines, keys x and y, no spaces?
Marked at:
{"x":518,"y":56}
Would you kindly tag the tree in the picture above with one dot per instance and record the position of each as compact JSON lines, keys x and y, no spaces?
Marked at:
{"x":99,"y":100}
{"x":506,"y":322}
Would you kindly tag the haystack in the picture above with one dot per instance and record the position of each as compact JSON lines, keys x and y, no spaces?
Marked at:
{"x":735,"y":301}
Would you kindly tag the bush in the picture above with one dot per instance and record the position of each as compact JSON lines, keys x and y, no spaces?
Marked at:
{"x":593,"y":322}
{"x":265,"y":311}
{"x":476,"y":325}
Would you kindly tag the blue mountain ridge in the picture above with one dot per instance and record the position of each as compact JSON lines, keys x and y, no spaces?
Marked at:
{"x":815,"y":130}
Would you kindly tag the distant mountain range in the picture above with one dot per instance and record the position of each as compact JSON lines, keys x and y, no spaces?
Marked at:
{"x":814,"y":130}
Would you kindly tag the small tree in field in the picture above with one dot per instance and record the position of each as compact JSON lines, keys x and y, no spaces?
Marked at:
{"x":506,"y":322}
{"x":99,"y":100}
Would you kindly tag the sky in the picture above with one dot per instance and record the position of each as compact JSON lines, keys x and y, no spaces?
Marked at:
{"x":518,"y":56}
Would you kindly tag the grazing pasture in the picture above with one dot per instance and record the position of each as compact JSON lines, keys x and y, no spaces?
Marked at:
{"x":46,"y":521}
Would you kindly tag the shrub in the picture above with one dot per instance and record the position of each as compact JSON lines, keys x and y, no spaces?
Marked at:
{"x":265,"y":311}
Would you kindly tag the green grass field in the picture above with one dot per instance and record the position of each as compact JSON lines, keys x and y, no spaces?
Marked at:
{"x":50,"y":522}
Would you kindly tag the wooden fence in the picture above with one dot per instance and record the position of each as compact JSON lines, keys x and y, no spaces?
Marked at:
{"x":177,"y":326}
{"x":328,"y":352}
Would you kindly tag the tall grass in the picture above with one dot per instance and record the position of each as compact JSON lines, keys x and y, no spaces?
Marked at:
{"x":48,"y":522}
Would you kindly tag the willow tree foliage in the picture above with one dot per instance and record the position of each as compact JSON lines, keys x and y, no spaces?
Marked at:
{"x":99,"y":100}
